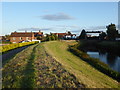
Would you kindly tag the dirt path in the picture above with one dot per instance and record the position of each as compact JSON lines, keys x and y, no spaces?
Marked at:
{"x":35,"y":68}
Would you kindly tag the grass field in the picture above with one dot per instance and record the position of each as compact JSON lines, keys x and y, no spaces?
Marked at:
{"x":51,"y":65}
{"x":85,"y":73}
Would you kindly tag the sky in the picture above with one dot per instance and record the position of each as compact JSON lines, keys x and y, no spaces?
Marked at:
{"x":57,"y":16}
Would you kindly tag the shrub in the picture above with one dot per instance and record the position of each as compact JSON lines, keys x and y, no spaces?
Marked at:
{"x":13,"y":46}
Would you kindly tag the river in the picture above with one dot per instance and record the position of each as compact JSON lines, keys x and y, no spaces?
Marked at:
{"x":111,"y":59}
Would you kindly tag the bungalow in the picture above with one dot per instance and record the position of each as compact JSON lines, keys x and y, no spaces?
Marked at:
{"x":17,"y":37}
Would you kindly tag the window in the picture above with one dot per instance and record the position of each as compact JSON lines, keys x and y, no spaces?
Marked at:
{"x":27,"y":38}
{"x":13,"y":38}
{"x":20,"y":38}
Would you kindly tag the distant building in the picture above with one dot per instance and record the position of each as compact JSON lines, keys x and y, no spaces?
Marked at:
{"x":2,"y":38}
{"x":67,"y":35}
{"x":17,"y":37}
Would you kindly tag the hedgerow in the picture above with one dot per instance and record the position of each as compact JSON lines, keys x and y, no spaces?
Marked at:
{"x":6,"y":48}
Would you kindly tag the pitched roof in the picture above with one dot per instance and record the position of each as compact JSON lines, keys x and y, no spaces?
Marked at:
{"x":60,"y":33}
{"x":21,"y":34}
{"x":63,"y":34}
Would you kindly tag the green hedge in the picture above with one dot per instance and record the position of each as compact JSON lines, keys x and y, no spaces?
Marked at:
{"x":102,"y":67}
{"x":16,"y":45}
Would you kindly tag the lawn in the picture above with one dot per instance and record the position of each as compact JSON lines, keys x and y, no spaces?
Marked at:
{"x":84,"y":73}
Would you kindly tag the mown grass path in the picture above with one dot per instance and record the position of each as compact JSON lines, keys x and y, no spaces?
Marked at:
{"x":15,"y":70}
{"x":84,"y":72}
{"x":35,"y":68}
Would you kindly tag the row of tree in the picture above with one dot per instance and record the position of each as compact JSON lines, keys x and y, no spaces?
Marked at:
{"x":110,"y":34}
{"x":6,"y":37}
{"x":50,"y":37}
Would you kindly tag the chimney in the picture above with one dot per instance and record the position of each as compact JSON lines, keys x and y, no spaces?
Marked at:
{"x":39,"y":30}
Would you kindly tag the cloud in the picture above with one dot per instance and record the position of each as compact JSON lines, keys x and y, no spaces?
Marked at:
{"x":34,"y":29}
{"x":68,"y":26}
{"x":57,"y":17}
{"x":29,"y":29}
{"x":96,"y":28}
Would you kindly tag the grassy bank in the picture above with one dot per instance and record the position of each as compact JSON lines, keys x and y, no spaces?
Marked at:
{"x":84,"y":72}
{"x":96,"y":63}
{"x":86,"y":45}
{"x":35,"y":68}
{"x":17,"y":71}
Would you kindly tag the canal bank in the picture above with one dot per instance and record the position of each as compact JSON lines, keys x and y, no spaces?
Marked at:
{"x":108,"y":58}
{"x":81,"y":51}
{"x":105,"y":51}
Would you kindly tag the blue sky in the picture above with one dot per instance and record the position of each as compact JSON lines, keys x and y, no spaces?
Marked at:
{"x":57,"y":16}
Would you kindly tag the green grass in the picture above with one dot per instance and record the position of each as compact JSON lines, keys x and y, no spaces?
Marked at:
{"x":50,"y":73}
{"x":19,"y":71}
{"x":50,"y":65}
{"x":35,"y":68}
{"x":85,"y":73}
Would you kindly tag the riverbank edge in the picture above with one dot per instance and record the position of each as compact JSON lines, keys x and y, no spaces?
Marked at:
{"x":96,"y":63}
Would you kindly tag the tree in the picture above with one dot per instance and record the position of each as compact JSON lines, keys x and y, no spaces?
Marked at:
{"x":56,"y":37}
{"x":47,"y":37}
{"x":38,"y":37}
{"x":83,"y":35}
{"x":69,"y":33}
{"x":7,"y":37}
{"x":52,"y":37}
{"x":111,"y":32}
{"x":102,"y":35}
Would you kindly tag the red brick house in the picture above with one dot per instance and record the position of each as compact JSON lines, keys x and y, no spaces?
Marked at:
{"x":65,"y":35}
{"x":17,"y":37}
{"x":60,"y":35}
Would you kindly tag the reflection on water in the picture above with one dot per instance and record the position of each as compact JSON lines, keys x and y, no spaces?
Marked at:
{"x":109,"y":58}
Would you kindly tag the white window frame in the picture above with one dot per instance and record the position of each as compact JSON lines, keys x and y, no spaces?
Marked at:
{"x":27,"y":38}
{"x":20,"y":38}
{"x":14,"y":38}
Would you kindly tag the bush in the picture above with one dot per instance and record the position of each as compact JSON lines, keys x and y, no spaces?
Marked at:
{"x":102,"y":67}
{"x":6,"y":48}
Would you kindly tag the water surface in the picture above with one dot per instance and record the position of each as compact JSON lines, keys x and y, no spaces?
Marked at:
{"x":111,"y":59}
